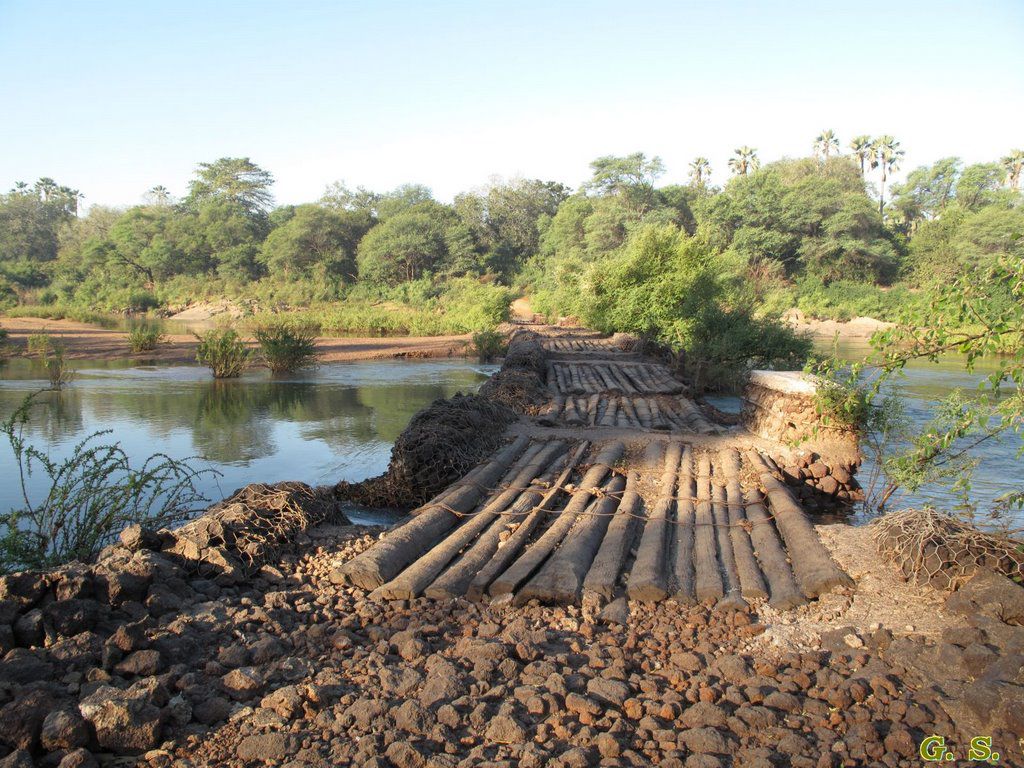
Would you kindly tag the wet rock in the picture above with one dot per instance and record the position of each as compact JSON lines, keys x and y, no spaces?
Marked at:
{"x":124,"y":720}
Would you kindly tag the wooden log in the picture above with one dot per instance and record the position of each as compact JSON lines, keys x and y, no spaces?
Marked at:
{"x":530,"y":560}
{"x":508,"y":551}
{"x":649,"y":577}
{"x":592,"y":404}
{"x":752,"y":584}
{"x":623,"y":382}
{"x":627,"y":406}
{"x":552,"y":411}
{"x":401,"y":546}
{"x":621,"y":417}
{"x":815,"y":571}
{"x":643,"y":412}
{"x":609,"y":415}
{"x":559,"y":580}
{"x":733,"y":597}
{"x":658,"y":420}
{"x":411,"y":582}
{"x":783,"y":588}
{"x":608,"y":383}
{"x":707,"y":580}
{"x":572,"y":415}
{"x":611,"y":557}
{"x":456,"y":580}
{"x":685,"y":516}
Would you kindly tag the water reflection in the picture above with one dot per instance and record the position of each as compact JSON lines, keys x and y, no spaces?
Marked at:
{"x":335,"y":423}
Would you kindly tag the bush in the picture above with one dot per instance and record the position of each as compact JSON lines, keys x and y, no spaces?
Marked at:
{"x":223,"y":352}
{"x":57,"y":369}
{"x":144,"y":338}
{"x":287,"y":347}
{"x":39,"y":344}
{"x":488,"y":345}
{"x":93,"y":495}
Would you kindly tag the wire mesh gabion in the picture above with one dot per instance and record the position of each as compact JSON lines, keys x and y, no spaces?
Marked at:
{"x":936,"y":548}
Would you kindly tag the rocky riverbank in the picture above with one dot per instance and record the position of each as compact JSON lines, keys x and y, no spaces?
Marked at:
{"x":290,"y":667}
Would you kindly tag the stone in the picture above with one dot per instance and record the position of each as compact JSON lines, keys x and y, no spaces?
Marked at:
{"x":124,"y":720}
{"x":266,"y":650}
{"x":608,"y":745}
{"x":64,"y":729}
{"x":26,"y":588}
{"x":614,"y":692}
{"x":444,"y":682}
{"x":829,"y":485}
{"x":413,"y":717}
{"x":78,"y":758}
{"x":704,"y":740}
{"x":141,"y":663}
{"x":212,"y":710}
{"x":23,"y":719}
{"x":853,"y":640}
{"x":119,"y":587}
{"x":19,"y":758}
{"x":787,"y":702}
{"x":704,"y":714}
{"x":241,"y":684}
{"x":285,"y":701}
{"x":505,"y":730}
{"x":136,"y":538}
{"x":23,"y":667}
{"x":29,"y":630}
{"x":265,"y":747}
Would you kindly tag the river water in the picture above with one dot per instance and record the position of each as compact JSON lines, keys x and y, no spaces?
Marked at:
{"x":337,"y":422}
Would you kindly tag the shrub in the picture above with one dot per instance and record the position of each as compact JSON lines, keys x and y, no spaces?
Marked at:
{"x":223,"y":352}
{"x":57,"y":369}
{"x":93,"y":495}
{"x":144,"y":338}
{"x":39,"y":344}
{"x":287,"y":347}
{"x":488,"y":345}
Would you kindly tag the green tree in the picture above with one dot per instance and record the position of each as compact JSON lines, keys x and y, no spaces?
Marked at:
{"x":630,"y":177}
{"x":863,"y":147}
{"x":825,"y":143}
{"x":700,"y":171}
{"x":979,"y":185}
{"x":32,"y":218}
{"x":888,"y":156}
{"x":235,"y":180}
{"x":931,"y":187}
{"x":744,"y":161}
{"x":402,"y":199}
{"x":1013,"y":164}
{"x":338,"y":195}
{"x":316,"y":242}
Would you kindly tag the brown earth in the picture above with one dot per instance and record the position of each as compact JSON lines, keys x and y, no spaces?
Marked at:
{"x":85,"y":341}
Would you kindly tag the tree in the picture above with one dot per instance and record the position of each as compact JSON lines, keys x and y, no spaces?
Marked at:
{"x":1013,"y":163}
{"x":631,"y":178}
{"x":745,"y":161}
{"x":425,"y":238}
{"x":315,"y":241}
{"x":863,"y":147}
{"x":32,"y":219}
{"x":236,"y":180}
{"x":158,"y":195}
{"x":825,"y":143}
{"x":887,"y":156}
{"x":980,"y":185}
{"x":700,"y":170}
{"x":401,"y":199}
{"x":338,"y":195}
{"x":931,"y":187}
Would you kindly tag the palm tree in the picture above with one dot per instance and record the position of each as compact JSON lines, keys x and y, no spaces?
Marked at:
{"x":826,"y":143}
{"x":887,"y":157}
{"x":1014,"y":165}
{"x":745,"y":161}
{"x":864,"y":150}
{"x":158,"y":195}
{"x":700,"y":170}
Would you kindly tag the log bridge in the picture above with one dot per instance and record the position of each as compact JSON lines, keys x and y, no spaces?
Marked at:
{"x":618,"y":487}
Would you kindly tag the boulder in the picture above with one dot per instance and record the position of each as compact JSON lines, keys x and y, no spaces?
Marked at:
{"x":64,"y":729}
{"x":124,"y":721}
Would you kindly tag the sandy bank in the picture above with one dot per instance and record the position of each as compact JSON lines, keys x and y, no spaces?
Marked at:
{"x":857,"y":328}
{"x":85,"y":341}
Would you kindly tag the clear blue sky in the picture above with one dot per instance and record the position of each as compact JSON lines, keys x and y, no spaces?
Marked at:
{"x":115,"y":97}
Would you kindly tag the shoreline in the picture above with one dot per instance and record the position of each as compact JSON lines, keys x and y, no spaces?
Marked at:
{"x":84,"y":341}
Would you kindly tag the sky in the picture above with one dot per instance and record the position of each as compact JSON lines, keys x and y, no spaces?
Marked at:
{"x":112,"y":98}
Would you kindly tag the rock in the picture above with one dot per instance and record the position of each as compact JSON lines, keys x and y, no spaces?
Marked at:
{"x":505,"y":730}
{"x":78,"y":758}
{"x":704,"y":740}
{"x":900,"y":742}
{"x":614,"y":692}
{"x":818,"y":470}
{"x":403,"y":755}
{"x":26,"y":588}
{"x":141,"y":663}
{"x":241,"y":684}
{"x":19,"y":758}
{"x":136,"y":538}
{"x":29,"y":630}
{"x":285,"y":701}
{"x":787,"y":702}
{"x":703,"y":714}
{"x":829,"y":485}
{"x":444,"y":682}
{"x":989,"y":594}
{"x":412,"y":717}
{"x":266,"y":650}
{"x":64,"y":729}
{"x":853,"y":640}
{"x":23,"y":667}
{"x":23,"y":718}
{"x":124,"y":720}
{"x":119,"y":587}
{"x":732,"y":668}
{"x":265,"y":747}
{"x":212,"y":710}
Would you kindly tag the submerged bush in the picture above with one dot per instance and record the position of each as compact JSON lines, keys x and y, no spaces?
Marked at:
{"x":144,"y":338}
{"x":488,"y":345}
{"x":92,"y":495}
{"x":223,"y":352}
{"x":57,"y":369}
{"x":287,"y":347}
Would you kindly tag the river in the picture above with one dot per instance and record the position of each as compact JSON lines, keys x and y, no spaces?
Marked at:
{"x":337,"y":422}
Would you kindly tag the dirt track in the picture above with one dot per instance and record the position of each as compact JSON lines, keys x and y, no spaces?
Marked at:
{"x":85,"y":341}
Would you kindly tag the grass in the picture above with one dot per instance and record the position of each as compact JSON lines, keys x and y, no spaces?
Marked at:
{"x":223,"y":352}
{"x":287,"y":347}
{"x":144,"y":338}
{"x":488,"y":345}
{"x":65,"y":312}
